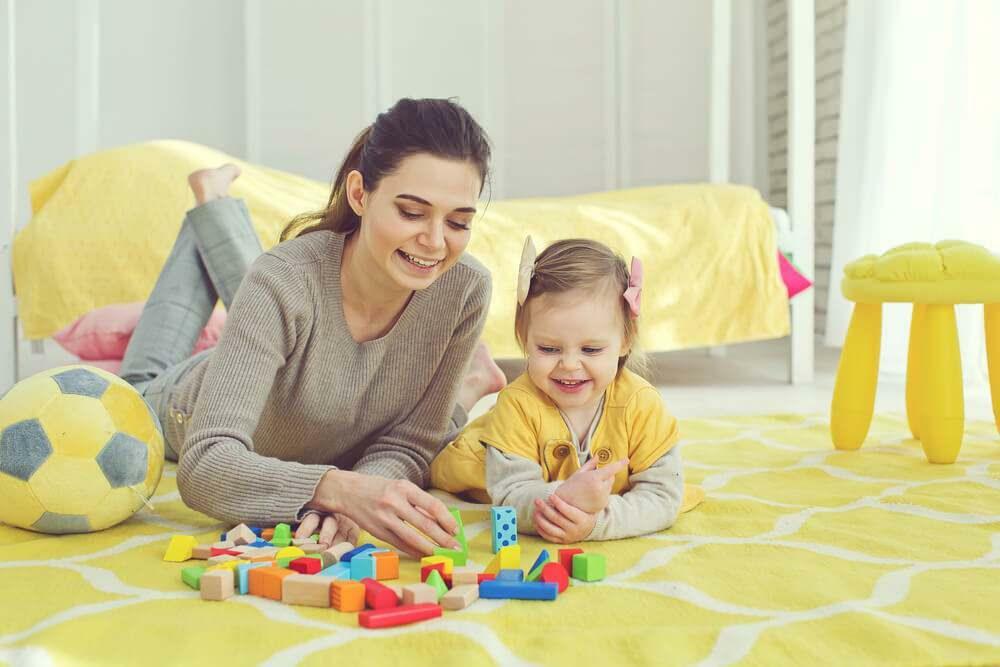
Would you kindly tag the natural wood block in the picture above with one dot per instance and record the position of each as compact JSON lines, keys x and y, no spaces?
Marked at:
{"x":217,"y":585}
{"x":419,"y":593}
{"x":460,"y":597}
{"x":306,"y":589}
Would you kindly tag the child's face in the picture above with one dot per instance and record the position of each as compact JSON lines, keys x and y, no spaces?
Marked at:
{"x":574,"y":340}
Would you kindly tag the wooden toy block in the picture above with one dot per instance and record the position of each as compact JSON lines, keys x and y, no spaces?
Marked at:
{"x":464,"y":576}
{"x":241,"y":534}
{"x":243,"y":576}
{"x":431,"y":560}
{"x":589,"y":567}
{"x":346,"y":558}
{"x":336,"y":571}
{"x":267,"y":534}
{"x":517,"y":590}
{"x":419,"y":594}
{"x":265,"y":582}
{"x":493,"y":566}
{"x":244,"y":550}
{"x":264,"y":554}
{"x":386,"y":618}
{"x":456,"y":557}
{"x":485,"y":576}
{"x":460,"y":535}
{"x":379,"y":596}
{"x":503,"y":523}
{"x":426,"y":570}
{"x":202,"y":551}
{"x":180,"y":549}
{"x":289,"y":552}
{"x":216,"y":551}
{"x":362,"y":567}
{"x":536,"y":568}
{"x":217,"y":585}
{"x":347,"y":595}
{"x":313,"y":548}
{"x":555,"y":573}
{"x":296,"y":542}
{"x":510,"y":557}
{"x":398,"y":590}
{"x":260,"y":544}
{"x":192,"y":576}
{"x":306,"y":590}
{"x":306,"y":565}
{"x":222,"y":558}
{"x":434,"y":579}
{"x":386,"y":565}
{"x":566,"y":558}
{"x":224,"y":544}
{"x":282,"y":532}
{"x":460,"y":597}
{"x":510,"y":575}
{"x":334,"y":553}
{"x":229,"y":565}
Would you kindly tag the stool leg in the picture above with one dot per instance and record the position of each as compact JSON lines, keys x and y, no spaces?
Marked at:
{"x":940,"y":394}
{"x":857,"y":377}
{"x":992,"y":316}
{"x":914,"y":369}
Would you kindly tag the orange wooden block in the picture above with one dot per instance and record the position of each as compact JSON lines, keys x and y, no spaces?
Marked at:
{"x":347,"y":595}
{"x":386,"y":565}
{"x":267,"y":534}
{"x":266,"y":582}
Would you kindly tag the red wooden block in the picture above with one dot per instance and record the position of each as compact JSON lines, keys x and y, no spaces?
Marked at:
{"x":566,"y":558}
{"x":379,"y":596}
{"x":306,"y":565}
{"x":554,"y":573}
{"x":483,"y":576}
{"x":216,"y":551}
{"x":387,"y":618}
{"x":427,"y":569}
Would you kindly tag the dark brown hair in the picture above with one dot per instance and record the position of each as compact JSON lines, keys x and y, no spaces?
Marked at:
{"x":442,"y":128}
{"x":583,"y":264}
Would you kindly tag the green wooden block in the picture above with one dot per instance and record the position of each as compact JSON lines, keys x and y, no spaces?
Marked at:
{"x":534,"y":574}
{"x":588,"y":567}
{"x":282,"y":532}
{"x":457,"y":557}
{"x":434,"y":579}
{"x":281,"y":542}
{"x":460,"y":536}
{"x":192,"y":576}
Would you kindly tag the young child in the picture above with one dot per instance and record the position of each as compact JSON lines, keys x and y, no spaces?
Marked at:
{"x":580,"y":445}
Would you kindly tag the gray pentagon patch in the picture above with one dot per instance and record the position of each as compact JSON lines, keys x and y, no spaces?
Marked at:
{"x":24,"y":447}
{"x":123,"y":460}
{"x":60,"y":524}
{"x":81,"y":381}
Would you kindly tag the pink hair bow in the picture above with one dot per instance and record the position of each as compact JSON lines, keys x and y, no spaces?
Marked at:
{"x":634,"y":292}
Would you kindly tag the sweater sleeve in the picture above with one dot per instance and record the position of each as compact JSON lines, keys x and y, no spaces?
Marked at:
{"x":407,"y":449}
{"x":651,"y":504}
{"x":219,"y":473}
{"x":516,"y":482}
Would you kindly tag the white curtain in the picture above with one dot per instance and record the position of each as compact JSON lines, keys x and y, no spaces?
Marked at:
{"x":919,"y":149}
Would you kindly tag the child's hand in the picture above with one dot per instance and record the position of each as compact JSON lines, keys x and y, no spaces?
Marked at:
{"x":333,"y":528}
{"x":588,"y":488}
{"x":559,"y":522}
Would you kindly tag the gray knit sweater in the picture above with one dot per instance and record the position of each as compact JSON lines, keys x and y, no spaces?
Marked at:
{"x":288,"y":393}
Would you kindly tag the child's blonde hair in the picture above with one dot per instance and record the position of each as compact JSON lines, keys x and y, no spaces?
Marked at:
{"x":581,"y":264}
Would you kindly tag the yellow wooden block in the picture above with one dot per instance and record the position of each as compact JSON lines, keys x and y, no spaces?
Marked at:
{"x":180,"y":548}
{"x":510,"y":557}
{"x":494,"y":566}
{"x":289,"y":552}
{"x":431,"y":560}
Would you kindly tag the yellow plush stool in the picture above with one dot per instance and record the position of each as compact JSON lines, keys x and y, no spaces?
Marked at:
{"x":933,"y":278}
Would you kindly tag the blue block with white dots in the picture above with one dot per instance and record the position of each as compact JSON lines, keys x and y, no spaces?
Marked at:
{"x":503,"y":521}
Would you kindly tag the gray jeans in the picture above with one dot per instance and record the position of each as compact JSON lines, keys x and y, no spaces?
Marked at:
{"x":212,"y":253}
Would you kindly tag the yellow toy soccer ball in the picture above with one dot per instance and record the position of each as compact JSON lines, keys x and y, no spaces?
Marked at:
{"x":79,"y":451}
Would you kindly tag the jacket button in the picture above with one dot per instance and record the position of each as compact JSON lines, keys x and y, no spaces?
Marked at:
{"x":603,"y":455}
{"x":562,"y":451}
{"x":179,"y":417}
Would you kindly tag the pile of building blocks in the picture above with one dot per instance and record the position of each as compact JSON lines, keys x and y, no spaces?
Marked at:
{"x":269,"y":563}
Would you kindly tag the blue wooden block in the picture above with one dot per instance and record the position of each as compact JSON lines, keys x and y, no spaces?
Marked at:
{"x":243,"y":575}
{"x":498,"y":589}
{"x":535,"y":570}
{"x":222,"y":537}
{"x":362,"y":567}
{"x":503,"y":521}
{"x":510,"y":575}
{"x":346,"y":558}
{"x":259,"y":543}
{"x":256,"y":530}
{"x":336,"y":571}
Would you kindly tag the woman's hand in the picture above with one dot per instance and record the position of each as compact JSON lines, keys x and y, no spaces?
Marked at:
{"x":559,"y":522}
{"x":393,"y":510}
{"x":589,"y":488}
{"x":333,"y":528}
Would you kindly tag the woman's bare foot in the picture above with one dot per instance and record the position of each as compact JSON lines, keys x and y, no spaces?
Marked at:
{"x":209,"y":184}
{"x":483,"y":378}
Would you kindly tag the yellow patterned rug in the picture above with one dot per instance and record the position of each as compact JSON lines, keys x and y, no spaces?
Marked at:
{"x":801,"y":555}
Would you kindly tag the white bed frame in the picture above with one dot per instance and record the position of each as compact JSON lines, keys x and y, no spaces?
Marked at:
{"x":801,"y":148}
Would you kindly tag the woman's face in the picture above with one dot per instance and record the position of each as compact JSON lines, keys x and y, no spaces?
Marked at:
{"x":417,"y":222}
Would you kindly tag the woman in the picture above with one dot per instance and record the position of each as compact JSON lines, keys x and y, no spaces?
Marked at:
{"x":344,"y":363}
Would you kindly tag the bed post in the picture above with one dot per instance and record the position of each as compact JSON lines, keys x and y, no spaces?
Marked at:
{"x":8,"y":209}
{"x":719,"y":109}
{"x":801,"y":173}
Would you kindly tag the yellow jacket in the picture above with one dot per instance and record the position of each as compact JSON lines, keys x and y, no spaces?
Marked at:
{"x":524,"y":422}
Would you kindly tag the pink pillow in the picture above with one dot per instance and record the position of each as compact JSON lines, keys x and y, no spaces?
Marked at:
{"x":103,"y":334}
{"x":794,"y":281}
